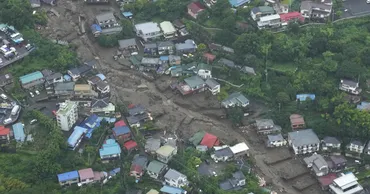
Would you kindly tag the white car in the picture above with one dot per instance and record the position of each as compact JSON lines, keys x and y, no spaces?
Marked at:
{"x":367,"y":1}
{"x":37,"y":92}
{"x":7,"y":121}
{"x":33,"y":121}
{"x":31,"y":94}
{"x":3,"y":96}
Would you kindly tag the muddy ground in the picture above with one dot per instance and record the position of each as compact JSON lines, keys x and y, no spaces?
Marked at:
{"x":174,"y":113}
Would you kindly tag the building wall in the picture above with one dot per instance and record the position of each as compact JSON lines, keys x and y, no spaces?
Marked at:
{"x":33,"y":83}
{"x":66,"y":120}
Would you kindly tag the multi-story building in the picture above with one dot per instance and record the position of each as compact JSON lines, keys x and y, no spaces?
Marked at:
{"x":317,"y":9}
{"x":261,"y":11}
{"x":168,"y":29}
{"x":345,"y":184}
{"x":108,"y":23}
{"x":175,"y":178}
{"x":304,"y":141}
{"x":165,"y":153}
{"x":267,"y":126}
{"x":355,"y":148}
{"x":67,"y":115}
{"x":270,"y":21}
{"x":350,"y":86}
{"x":148,"y":31}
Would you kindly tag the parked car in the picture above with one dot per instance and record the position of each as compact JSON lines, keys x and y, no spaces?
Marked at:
{"x":33,"y":121}
{"x":3,"y":96}
{"x":7,"y":121}
{"x":31,"y":94}
{"x":37,"y":92}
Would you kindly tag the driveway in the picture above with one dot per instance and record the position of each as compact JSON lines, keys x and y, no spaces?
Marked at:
{"x":355,"y":8}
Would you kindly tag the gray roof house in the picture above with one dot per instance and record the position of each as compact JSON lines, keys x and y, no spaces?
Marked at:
{"x":318,"y":164}
{"x":188,"y":46}
{"x":150,"y":61}
{"x":235,"y":183}
{"x":108,"y":23}
{"x":175,"y":178}
{"x":330,"y":144}
{"x":165,"y":47}
{"x":304,"y":141}
{"x":267,"y":126}
{"x":235,"y":99}
{"x":248,"y":70}
{"x":276,"y":140}
{"x":148,"y":31}
{"x":213,"y":86}
{"x":223,"y":154}
{"x":140,"y":160}
{"x":150,"y":48}
{"x":64,"y":88}
{"x":355,"y":148}
{"x":337,"y":163}
{"x":156,"y":169}
{"x":227,"y":62}
{"x":54,"y":78}
{"x":316,"y":9}
{"x":204,"y":169}
{"x":152,"y":145}
{"x":128,"y":44}
{"x":194,"y":82}
{"x":99,"y":102}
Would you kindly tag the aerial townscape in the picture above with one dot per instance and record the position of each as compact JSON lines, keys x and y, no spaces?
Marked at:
{"x":185,"y":96}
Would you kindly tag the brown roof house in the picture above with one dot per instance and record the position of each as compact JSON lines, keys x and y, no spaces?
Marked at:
{"x":86,"y":176}
{"x":297,"y":121}
{"x":267,"y":126}
{"x":195,"y":8}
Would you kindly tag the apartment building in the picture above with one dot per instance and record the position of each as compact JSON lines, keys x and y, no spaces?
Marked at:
{"x":270,"y":21}
{"x":304,"y":141}
{"x":67,"y":115}
{"x":148,"y":31}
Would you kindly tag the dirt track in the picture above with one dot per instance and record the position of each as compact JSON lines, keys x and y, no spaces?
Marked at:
{"x":183,"y":116}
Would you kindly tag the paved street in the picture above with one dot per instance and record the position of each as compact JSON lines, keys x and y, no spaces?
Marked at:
{"x":355,"y":8}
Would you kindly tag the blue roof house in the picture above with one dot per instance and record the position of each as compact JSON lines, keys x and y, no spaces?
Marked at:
{"x":68,"y":178}
{"x":96,"y":30}
{"x":19,"y":132}
{"x":76,"y":137}
{"x":110,"y":150}
{"x":364,"y":106}
{"x":237,"y":3}
{"x":172,"y":190}
{"x":92,"y":121}
{"x":32,"y":79}
{"x":122,"y":132}
{"x":127,"y":14}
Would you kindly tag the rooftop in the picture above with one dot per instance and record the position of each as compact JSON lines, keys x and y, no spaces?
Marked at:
{"x":130,"y":145}
{"x":165,"y":150}
{"x":120,"y":123}
{"x":327,"y":179}
{"x":303,"y":137}
{"x":147,"y":28}
{"x":224,"y":152}
{"x":31,"y":77}
{"x":86,"y":174}
{"x":277,"y":137}
{"x":82,"y":87}
{"x":172,"y":190}
{"x":196,"y":7}
{"x":331,"y":140}
{"x":316,"y":159}
{"x":66,"y":107}
{"x":127,"y":43}
{"x":18,"y":132}
{"x":173,"y":174}
{"x":240,"y":147}
{"x":209,"y":140}
{"x":64,"y":86}
{"x":264,"y":123}
{"x":235,"y":98}
{"x":76,"y":135}
{"x":68,"y":176}
{"x":110,"y":147}
{"x":212,"y":83}
{"x":105,"y":16}
{"x":4,"y":131}
{"x":121,"y":130}
{"x":197,"y":137}
{"x":194,"y":81}
{"x":167,"y":27}
{"x":188,"y":44}
{"x":152,"y":144}
{"x":156,"y":166}
{"x":296,"y":119}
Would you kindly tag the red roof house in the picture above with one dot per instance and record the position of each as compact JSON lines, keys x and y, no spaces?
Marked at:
{"x":209,"y":57}
{"x":130,"y":145}
{"x":291,"y":16}
{"x":297,"y":121}
{"x":210,"y":140}
{"x":195,"y":8}
{"x":326,"y":180}
{"x":120,"y":123}
{"x":136,"y":171}
{"x":4,"y":133}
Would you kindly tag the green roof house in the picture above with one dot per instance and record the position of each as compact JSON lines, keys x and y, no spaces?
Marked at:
{"x":197,"y":138}
{"x":156,"y":169}
{"x":31,"y":80}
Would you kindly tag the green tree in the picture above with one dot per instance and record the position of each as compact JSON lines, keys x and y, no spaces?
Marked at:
{"x":282,"y":97}
{"x":108,"y":40}
{"x":17,"y":13}
{"x":128,"y":29}
{"x":235,"y":114}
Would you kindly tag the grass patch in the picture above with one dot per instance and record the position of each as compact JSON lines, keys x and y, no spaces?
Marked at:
{"x":287,"y":2}
{"x":284,"y":68}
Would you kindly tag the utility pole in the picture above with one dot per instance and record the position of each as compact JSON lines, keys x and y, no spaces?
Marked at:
{"x":265,"y":49}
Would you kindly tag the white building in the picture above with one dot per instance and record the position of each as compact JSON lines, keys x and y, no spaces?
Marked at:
{"x":269,"y":21}
{"x":168,"y":29}
{"x":175,"y":179}
{"x":148,"y":31}
{"x":345,"y":184}
{"x":350,"y":86}
{"x":67,"y":115}
{"x":240,"y":149}
{"x":213,"y":86}
{"x":304,"y":141}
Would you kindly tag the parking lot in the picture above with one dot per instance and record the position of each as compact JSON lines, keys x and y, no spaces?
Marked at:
{"x":355,"y":8}
{"x":20,"y":49}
